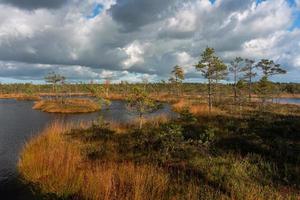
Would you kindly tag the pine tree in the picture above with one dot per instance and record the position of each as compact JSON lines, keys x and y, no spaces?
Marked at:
{"x":213,"y":69}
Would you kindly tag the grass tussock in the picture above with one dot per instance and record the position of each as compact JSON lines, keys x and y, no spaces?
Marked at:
{"x":56,"y":165}
{"x":51,"y":162}
{"x":67,"y":106}
{"x":124,"y":181}
{"x":195,"y":108}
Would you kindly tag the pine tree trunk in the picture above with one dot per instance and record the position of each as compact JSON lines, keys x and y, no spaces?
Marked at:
{"x":209,"y":95}
{"x":141,"y":121}
{"x":235,"y":87}
{"x":250,"y":85}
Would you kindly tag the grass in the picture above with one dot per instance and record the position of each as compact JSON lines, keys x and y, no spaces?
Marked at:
{"x":198,"y":156}
{"x":20,"y":97}
{"x":51,"y":162}
{"x":56,"y":166}
{"x":195,"y":108}
{"x":236,"y":152}
{"x":239,"y":178}
{"x":67,"y":106}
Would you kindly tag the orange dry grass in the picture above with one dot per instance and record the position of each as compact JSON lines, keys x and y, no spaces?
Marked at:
{"x":55,"y":165}
{"x":180,"y":105}
{"x":116,"y":96}
{"x":11,"y":96}
{"x":19,"y":96}
{"x":202,"y":109}
{"x":124,"y":181}
{"x":153,"y":121}
{"x":195,"y":108}
{"x":158,"y":120}
{"x":51,"y":162}
{"x":69,"y":106}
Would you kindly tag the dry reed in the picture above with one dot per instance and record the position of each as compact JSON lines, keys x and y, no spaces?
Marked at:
{"x":67,"y":106}
{"x":54,"y":163}
{"x":195,"y":107}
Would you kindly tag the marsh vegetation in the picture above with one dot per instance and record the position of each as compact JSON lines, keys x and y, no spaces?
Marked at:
{"x":227,"y":141}
{"x":72,"y":105}
{"x":197,"y":156}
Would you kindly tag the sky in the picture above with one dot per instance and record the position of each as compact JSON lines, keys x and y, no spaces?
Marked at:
{"x":134,"y":40}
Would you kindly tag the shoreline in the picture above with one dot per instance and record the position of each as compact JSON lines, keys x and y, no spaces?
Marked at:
{"x":67,"y":106}
{"x":116,"y":96}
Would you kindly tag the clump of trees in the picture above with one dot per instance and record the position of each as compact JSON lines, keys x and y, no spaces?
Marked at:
{"x":265,"y":86}
{"x":55,"y":79}
{"x":97,"y":91}
{"x":214,"y":69}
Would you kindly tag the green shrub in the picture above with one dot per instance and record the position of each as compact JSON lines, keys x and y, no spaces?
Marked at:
{"x":186,"y":117}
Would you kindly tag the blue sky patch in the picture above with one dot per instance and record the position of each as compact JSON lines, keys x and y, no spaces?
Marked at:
{"x":296,"y":23}
{"x":296,"y":15}
{"x":97,"y":9}
{"x":292,"y":2}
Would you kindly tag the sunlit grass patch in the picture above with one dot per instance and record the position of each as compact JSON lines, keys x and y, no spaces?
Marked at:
{"x":67,"y":106}
{"x":194,"y":107}
{"x":20,"y":97}
{"x":50,"y":162}
{"x":56,"y":166}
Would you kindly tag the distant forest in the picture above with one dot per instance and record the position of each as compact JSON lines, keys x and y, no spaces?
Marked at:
{"x":187,"y":88}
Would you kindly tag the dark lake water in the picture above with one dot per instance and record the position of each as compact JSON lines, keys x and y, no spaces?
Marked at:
{"x":19,"y":122}
{"x":288,"y":100}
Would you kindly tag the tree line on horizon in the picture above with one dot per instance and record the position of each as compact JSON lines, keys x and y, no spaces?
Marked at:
{"x":243,"y":73}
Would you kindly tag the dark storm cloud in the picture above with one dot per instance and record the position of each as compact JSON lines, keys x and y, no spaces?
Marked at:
{"x":133,"y":14}
{"x":155,"y":35}
{"x":35,"y":4}
{"x":233,"y":5}
{"x":16,"y":70}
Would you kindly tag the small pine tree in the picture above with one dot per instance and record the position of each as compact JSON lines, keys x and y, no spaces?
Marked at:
{"x":213,"y":69}
{"x":269,"y":68}
{"x":236,"y":69}
{"x":249,"y":75}
{"x":141,"y":104}
{"x":54,"y":79}
{"x":177,"y":77}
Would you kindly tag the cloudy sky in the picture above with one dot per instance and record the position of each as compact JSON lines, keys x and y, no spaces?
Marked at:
{"x":137,"y":39}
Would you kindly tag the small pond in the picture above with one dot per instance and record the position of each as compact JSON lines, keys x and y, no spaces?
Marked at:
{"x":19,"y":122}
